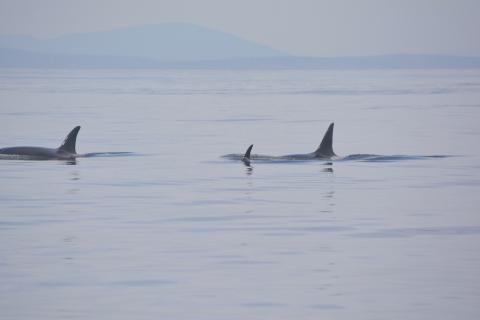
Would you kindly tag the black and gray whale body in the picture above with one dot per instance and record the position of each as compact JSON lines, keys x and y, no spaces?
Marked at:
{"x":322,"y":153}
{"x":66,"y":151}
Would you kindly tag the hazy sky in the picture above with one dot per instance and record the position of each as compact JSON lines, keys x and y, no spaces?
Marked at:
{"x":303,"y":27}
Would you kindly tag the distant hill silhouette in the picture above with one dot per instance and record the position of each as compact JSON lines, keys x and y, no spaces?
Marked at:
{"x":162,"y":42}
{"x":177,"y":45}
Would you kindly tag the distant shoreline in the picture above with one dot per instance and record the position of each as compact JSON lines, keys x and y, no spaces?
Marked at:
{"x":23,"y":59}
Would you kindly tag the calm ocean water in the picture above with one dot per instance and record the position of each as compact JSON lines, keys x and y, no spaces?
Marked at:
{"x":174,"y":231}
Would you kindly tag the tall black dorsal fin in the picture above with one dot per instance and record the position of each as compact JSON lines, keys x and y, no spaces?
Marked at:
{"x":68,"y":144}
{"x":247,"y":153}
{"x":326,"y":146}
{"x":246,"y":157}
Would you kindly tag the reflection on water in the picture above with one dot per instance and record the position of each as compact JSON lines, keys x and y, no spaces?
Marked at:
{"x":248,"y":168}
{"x":74,"y":175}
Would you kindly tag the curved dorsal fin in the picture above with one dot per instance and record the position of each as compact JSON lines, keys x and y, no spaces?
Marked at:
{"x":326,"y":146}
{"x":247,"y":153}
{"x":68,"y":144}
{"x":246,"y":157}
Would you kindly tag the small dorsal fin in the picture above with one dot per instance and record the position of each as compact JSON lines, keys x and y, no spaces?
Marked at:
{"x":326,"y":146}
{"x":246,"y":157}
{"x":68,"y":144}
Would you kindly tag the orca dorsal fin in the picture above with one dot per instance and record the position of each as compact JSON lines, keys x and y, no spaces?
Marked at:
{"x":68,"y":144}
{"x":246,"y":157}
{"x":326,"y":146}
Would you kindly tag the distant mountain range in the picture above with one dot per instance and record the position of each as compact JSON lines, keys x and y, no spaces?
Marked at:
{"x":177,"y":45}
{"x":164,"y":42}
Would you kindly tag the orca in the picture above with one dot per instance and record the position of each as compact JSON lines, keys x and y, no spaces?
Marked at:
{"x":66,"y":151}
{"x":323,"y":152}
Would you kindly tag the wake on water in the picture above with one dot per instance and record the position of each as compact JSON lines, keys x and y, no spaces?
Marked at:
{"x":108,"y":154}
{"x":86,"y":155}
{"x":388,"y":158}
{"x":258,"y":158}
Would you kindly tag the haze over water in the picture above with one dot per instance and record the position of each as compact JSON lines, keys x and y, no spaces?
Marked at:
{"x":173,"y":231}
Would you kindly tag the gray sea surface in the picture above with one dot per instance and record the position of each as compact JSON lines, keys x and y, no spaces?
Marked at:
{"x":171,"y":230}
